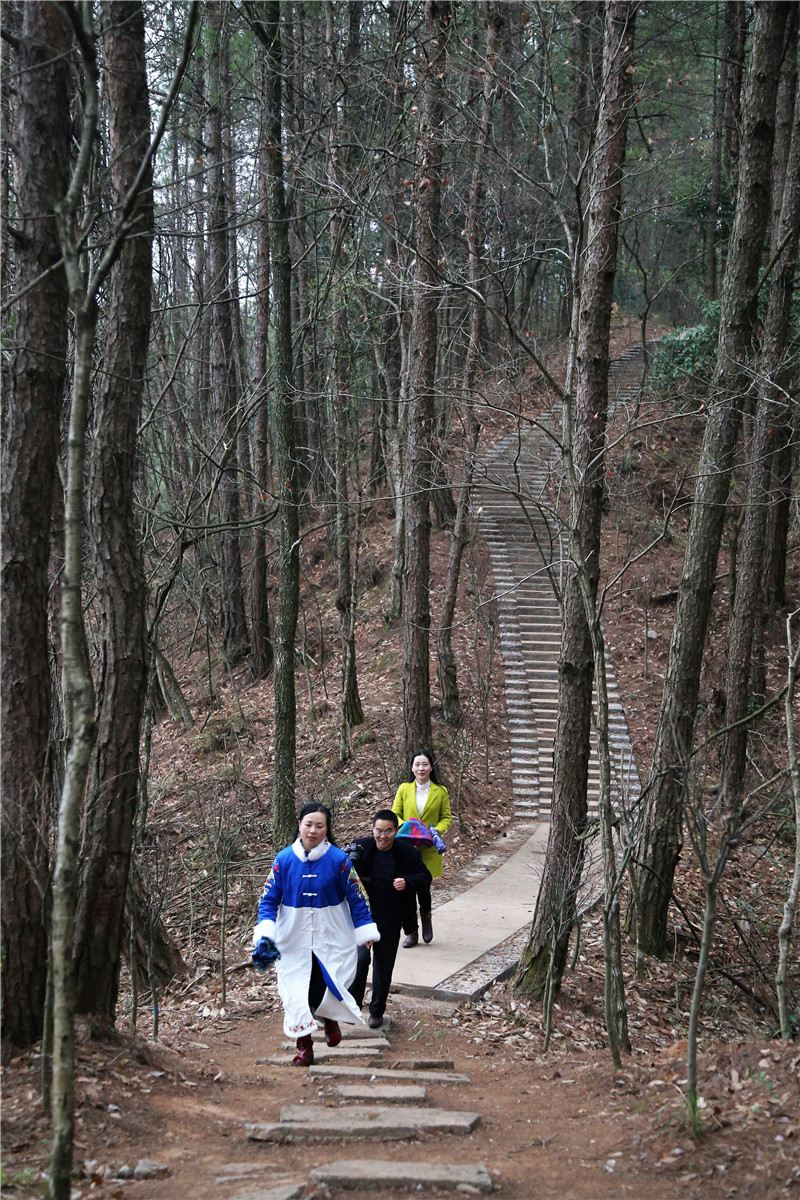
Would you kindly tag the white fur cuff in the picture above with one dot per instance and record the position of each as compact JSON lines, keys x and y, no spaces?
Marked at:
{"x":264,"y":929}
{"x":367,"y":933}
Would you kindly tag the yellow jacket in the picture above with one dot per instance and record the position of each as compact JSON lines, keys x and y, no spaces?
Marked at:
{"x":436,"y":812}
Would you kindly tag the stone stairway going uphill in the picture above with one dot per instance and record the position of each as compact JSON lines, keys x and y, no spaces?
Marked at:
{"x":513,"y":498}
{"x":482,"y":917}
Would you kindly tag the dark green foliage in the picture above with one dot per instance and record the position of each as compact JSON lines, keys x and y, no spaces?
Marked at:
{"x":688,"y":352}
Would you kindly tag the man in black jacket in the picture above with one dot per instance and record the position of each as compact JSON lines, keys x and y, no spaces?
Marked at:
{"x":390,"y":871}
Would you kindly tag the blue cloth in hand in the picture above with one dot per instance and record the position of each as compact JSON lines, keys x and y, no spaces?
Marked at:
{"x":265,"y":953}
{"x":438,"y":840}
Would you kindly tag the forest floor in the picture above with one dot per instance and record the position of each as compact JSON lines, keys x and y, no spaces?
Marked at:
{"x":559,"y":1124}
{"x":556,"y":1125}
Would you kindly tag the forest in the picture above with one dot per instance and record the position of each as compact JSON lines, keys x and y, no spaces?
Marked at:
{"x":276,"y":277}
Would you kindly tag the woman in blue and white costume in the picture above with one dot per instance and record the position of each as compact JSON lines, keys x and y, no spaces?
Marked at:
{"x":315,"y":909}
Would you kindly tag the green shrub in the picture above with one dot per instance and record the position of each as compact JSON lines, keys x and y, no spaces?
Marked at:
{"x":688,"y":352}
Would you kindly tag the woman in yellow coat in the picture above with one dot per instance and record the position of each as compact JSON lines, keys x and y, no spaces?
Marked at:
{"x":425,"y":799}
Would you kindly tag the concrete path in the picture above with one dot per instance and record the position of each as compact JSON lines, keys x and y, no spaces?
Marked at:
{"x":473,"y":923}
{"x":479,"y":933}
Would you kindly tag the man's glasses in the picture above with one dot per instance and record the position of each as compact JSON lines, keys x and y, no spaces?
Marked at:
{"x":384,"y":833}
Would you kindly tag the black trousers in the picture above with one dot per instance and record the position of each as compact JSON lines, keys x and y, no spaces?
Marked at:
{"x":384,"y":954}
{"x":423,"y":895}
{"x":316,"y":984}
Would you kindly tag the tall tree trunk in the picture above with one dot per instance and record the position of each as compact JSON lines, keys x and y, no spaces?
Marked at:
{"x":422,"y":369}
{"x":266,"y":23}
{"x":545,"y":956}
{"x":660,"y":838}
{"x":496,"y":17}
{"x":790,"y":905}
{"x":720,"y":93}
{"x":31,"y":409}
{"x":733,"y":51}
{"x":773,"y":401}
{"x":339,"y":82}
{"x":778,"y":519}
{"x":78,"y":687}
{"x":586,"y":67}
{"x":223,"y":352}
{"x":391,"y":350}
{"x":118,"y":571}
{"x":261,"y":653}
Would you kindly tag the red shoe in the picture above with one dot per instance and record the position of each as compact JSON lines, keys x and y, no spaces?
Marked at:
{"x":305,"y":1052}
{"x":333,"y":1034}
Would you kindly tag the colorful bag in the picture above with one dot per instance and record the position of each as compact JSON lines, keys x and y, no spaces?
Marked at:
{"x":416,"y":832}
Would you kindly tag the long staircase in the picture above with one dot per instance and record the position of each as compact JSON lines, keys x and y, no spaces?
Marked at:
{"x":513,"y":498}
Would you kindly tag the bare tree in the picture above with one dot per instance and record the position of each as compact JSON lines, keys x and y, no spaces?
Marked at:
{"x":265,"y":18}
{"x":119,"y":576}
{"x":84,"y":288}
{"x":223,"y":373}
{"x":448,"y":678}
{"x":422,"y":368}
{"x":773,"y":383}
{"x":790,"y":907}
{"x":261,"y":653}
{"x":339,"y":83}
{"x":661,"y":831}
{"x":31,"y":403}
{"x":584,"y":447}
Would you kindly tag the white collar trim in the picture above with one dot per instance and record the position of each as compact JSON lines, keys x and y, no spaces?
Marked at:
{"x":314,"y":854}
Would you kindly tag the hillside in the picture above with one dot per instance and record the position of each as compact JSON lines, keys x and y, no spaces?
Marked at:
{"x":561,"y":1119}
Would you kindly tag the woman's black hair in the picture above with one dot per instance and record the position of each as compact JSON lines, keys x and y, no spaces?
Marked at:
{"x":430,"y":759}
{"x":313,"y":807}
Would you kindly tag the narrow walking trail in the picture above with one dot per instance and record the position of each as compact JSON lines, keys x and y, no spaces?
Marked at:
{"x":481,"y":931}
{"x":363,"y":1093}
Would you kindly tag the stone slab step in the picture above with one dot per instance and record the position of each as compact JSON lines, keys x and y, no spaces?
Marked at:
{"x":355,"y":1174}
{"x":363,"y":1032}
{"x":423,"y":1064}
{"x":311,"y":1122}
{"x":273,"y":1184}
{"x":348,"y":1046}
{"x":388,"y":1073}
{"x":387,"y":1093}
{"x":283,"y":1191}
{"x":322,"y":1053}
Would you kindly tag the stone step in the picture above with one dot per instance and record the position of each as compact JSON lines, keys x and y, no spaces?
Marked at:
{"x":348,"y":1046}
{"x":423,"y":1064}
{"x":281,"y":1191}
{"x":513,"y":474}
{"x":316,"y":1123}
{"x":323,"y":1053}
{"x":249,"y":1172}
{"x":364,"y":1033}
{"x":341,"y":1071}
{"x":398,"y":1093}
{"x":359,"y":1174}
